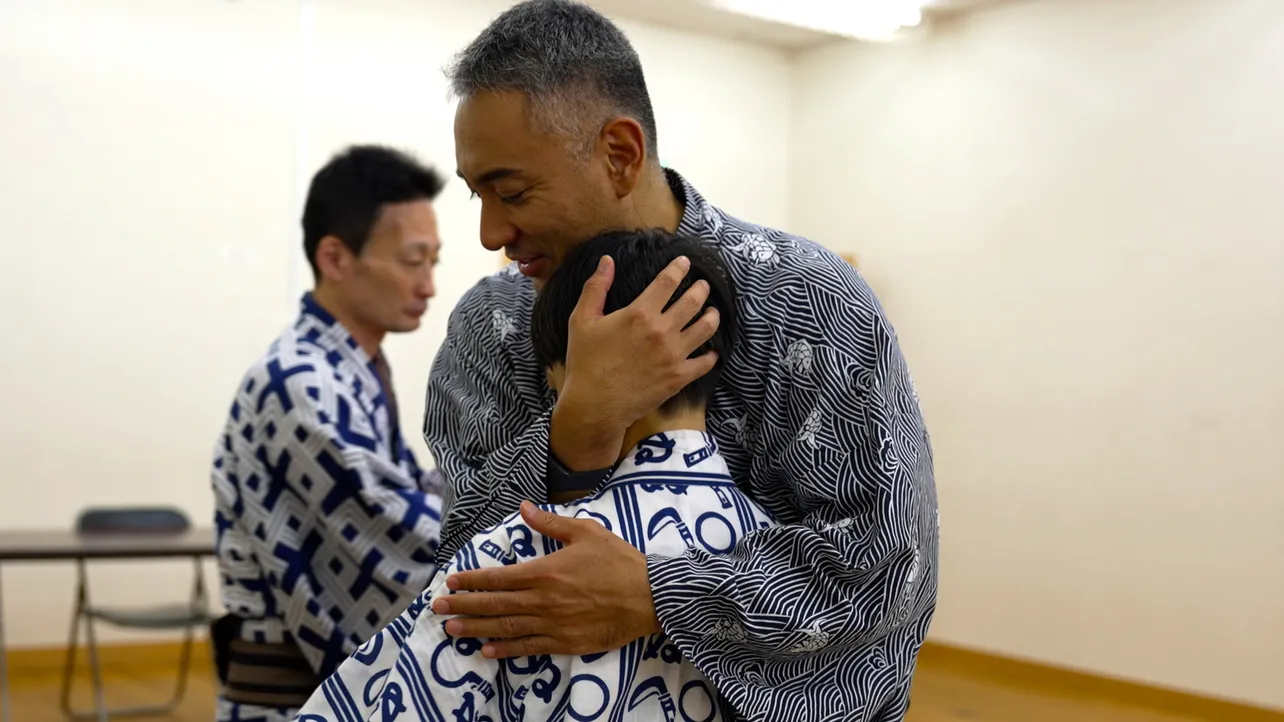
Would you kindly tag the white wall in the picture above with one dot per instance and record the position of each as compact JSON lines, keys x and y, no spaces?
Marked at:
{"x":1074,"y":211}
{"x":155,"y":155}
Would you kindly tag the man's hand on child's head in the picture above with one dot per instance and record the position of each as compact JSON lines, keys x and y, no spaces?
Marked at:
{"x":624,"y":365}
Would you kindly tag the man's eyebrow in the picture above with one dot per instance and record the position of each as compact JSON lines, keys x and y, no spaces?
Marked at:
{"x":490,"y":176}
{"x":426,"y":245}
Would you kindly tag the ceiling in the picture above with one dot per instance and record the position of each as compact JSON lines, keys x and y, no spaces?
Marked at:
{"x":699,"y":17}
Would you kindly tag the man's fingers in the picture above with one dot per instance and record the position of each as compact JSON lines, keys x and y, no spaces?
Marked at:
{"x":658,"y":293}
{"x":687,"y":308}
{"x":593,"y":296}
{"x":497,"y":579}
{"x":522,"y":647}
{"x":495,"y":627}
{"x":700,"y":365}
{"x":486,"y":604}
{"x":561,"y":528}
{"x":700,"y":331}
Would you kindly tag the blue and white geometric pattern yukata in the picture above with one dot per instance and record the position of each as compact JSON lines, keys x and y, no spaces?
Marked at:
{"x":817,"y":417}
{"x":671,"y":493}
{"x":325,"y":533}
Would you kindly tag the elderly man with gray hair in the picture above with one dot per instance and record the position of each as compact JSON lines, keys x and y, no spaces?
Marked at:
{"x":820,"y":617}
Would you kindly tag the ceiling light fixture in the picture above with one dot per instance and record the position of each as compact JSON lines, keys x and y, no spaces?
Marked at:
{"x":859,"y":19}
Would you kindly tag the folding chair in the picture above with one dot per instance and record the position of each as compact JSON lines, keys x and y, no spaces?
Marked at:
{"x":186,"y":616}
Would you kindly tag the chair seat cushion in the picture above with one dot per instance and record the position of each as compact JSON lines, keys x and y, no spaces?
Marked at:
{"x":173,"y":616}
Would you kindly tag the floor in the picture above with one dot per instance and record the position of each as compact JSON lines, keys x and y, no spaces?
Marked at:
{"x":35,"y":698}
{"x":940,"y":695}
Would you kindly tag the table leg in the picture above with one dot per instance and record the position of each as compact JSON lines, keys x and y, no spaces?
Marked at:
{"x":6,"y":713}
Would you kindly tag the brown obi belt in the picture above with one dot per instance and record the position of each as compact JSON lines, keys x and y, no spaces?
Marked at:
{"x":268,"y":675}
{"x":257,"y":673}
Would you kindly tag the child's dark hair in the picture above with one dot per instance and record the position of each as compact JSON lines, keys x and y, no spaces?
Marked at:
{"x":639,"y":257}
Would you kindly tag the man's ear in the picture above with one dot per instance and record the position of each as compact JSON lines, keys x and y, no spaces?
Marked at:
{"x":334,"y":259}
{"x":624,"y":144}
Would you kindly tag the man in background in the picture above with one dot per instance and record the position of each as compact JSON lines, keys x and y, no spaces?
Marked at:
{"x":816,"y":415}
{"x":326,"y":525}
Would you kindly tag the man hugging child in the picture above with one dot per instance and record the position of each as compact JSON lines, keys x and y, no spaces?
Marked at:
{"x":670,"y":490}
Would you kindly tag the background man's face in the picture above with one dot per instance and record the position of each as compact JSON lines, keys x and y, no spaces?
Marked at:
{"x":392,"y":278}
{"x":537,"y":201}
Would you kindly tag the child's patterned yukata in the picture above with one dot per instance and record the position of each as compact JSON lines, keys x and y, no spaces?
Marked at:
{"x":671,"y":493}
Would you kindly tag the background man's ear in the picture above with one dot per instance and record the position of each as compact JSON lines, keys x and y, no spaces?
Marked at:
{"x":334,"y":259}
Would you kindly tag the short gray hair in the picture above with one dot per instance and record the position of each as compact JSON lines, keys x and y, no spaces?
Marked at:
{"x":576,"y":67}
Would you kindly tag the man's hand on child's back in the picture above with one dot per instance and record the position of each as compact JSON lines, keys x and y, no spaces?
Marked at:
{"x":591,"y":596}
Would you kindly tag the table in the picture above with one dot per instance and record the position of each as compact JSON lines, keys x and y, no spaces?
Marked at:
{"x":63,"y":546}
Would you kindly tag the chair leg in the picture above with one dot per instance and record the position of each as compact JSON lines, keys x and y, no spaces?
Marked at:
{"x":101,"y":712}
{"x":73,"y":645}
{"x":96,"y":671}
{"x":184,"y":664}
{"x":198,"y":602}
{"x":91,"y":644}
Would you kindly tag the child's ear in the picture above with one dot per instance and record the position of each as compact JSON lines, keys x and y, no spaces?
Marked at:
{"x":554,"y":375}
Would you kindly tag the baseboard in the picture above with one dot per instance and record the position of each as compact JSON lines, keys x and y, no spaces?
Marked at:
{"x":1079,"y":684}
{"x":135,"y":659}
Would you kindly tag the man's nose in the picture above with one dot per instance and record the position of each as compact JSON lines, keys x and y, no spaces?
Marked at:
{"x":496,"y":230}
{"x":426,"y":287}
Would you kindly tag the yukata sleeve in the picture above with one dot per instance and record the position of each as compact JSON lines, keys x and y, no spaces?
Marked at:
{"x":861,"y":561}
{"x":478,"y":422}
{"x":414,"y":670}
{"x":359,"y":501}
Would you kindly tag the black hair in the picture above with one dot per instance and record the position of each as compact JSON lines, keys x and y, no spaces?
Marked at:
{"x":347,"y":194}
{"x":639,"y":257}
{"x":576,"y":67}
